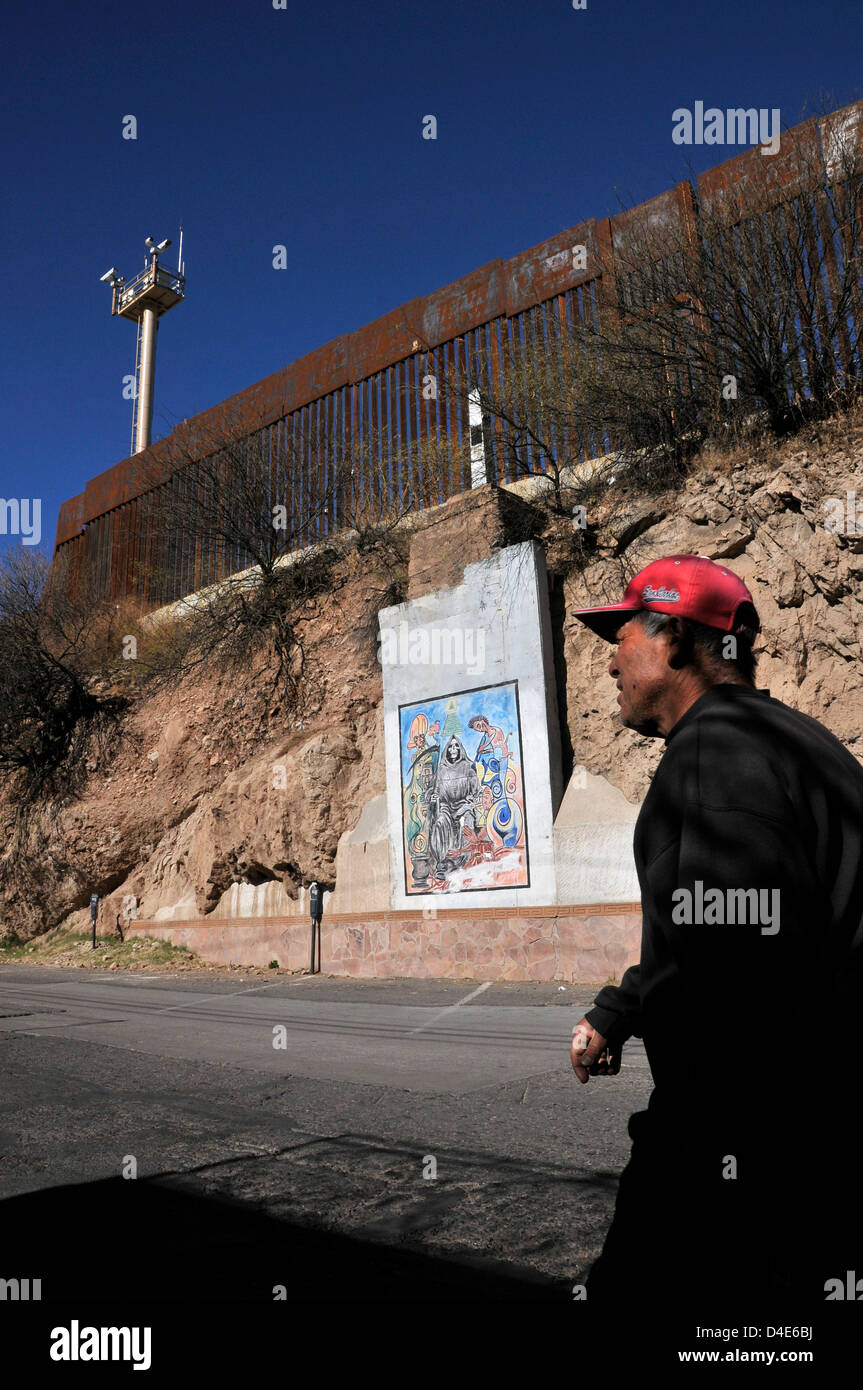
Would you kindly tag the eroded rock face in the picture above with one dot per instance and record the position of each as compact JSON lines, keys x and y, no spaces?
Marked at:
{"x":221,"y":802}
{"x":274,"y":825}
{"x":767,"y":519}
{"x":214,"y":791}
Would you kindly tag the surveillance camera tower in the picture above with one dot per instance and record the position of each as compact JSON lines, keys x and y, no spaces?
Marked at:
{"x":144,"y":300}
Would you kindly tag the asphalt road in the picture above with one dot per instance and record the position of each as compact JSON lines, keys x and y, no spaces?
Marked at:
{"x":252,"y":1159}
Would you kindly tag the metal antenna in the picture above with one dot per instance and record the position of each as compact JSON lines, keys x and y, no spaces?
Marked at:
{"x":144,"y":300}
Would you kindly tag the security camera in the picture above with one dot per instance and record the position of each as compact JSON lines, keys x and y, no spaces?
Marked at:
{"x":163,"y":245}
{"x":111,"y":274}
{"x":148,"y":241}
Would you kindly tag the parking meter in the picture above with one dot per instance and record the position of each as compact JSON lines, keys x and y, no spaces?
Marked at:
{"x":94,"y":912}
{"x":316,"y":912}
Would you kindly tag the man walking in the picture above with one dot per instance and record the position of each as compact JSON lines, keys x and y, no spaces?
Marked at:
{"x":740,"y":1191}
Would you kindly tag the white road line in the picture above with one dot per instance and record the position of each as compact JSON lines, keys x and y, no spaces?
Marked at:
{"x":448,"y":1010}
{"x":145,"y":979}
{"x":204,"y":998}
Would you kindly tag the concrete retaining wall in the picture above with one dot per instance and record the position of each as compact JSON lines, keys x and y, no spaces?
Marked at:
{"x":589,"y":944}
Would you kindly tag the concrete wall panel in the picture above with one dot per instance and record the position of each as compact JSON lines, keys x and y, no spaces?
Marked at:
{"x":497,"y":615}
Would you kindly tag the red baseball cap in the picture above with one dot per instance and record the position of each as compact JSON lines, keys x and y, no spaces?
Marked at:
{"x":689,"y":585}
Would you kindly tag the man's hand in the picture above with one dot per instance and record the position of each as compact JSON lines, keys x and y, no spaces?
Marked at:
{"x":591,"y":1054}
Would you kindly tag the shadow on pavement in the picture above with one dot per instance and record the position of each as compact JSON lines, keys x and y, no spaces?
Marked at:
{"x":148,"y":1240}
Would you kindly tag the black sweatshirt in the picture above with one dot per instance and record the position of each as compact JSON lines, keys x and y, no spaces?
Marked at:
{"x":750,"y":794}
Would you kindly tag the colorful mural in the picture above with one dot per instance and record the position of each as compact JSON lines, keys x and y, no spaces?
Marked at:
{"x":463,"y":792}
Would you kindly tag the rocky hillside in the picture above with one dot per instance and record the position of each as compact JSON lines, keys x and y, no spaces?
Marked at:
{"x":218,"y":799}
{"x":764,"y":513}
{"x":213,"y":785}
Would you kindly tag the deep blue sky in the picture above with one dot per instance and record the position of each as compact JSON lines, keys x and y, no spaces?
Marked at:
{"x":302,"y":126}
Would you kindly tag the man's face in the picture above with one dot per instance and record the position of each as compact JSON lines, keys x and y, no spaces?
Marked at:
{"x":640,"y":667}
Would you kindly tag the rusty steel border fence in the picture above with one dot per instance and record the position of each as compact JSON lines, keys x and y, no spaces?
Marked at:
{"x":363,"y":392}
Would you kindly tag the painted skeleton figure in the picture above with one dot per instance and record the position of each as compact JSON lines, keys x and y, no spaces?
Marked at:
{"x":454,"y":797}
